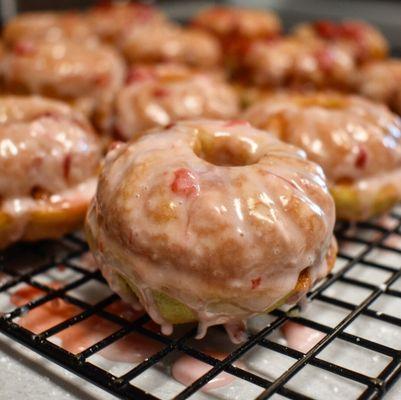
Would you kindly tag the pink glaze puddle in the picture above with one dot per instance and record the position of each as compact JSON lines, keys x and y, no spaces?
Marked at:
{"x":187,"y":370}
{"x":386,"y":221}
{"x":393,"y":240}
{"x":132,"y":348}
{"x":300,"y":337}
{"x":45,"y":316}
{"x":75,"y":339}
{"x":88,"y":262}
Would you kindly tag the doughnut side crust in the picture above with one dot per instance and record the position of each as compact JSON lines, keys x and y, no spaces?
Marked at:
{"x":217,"y":216}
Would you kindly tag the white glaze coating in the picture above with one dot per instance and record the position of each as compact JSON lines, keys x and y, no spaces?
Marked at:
{"x":228,"y":238}
{"x":292,"y":62}
{"x":350,"y":137}
{"x":49,"y":157}
{"x":162,"y":94}
{"x":86,"y":75}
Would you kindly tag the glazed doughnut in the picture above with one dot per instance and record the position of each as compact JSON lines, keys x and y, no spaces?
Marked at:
{"x":357,"y":142}
{"x":381,"y":81}
{"x":87,"y":77}
{"x":47,"y":26}
{"x":109,"y":21}
{"x":211,"y":221}
{"x":291,"y":62}
{"x":161,"y":94}
{"x":51,"y":157}
{"x":363,"y":40}
{"x":170,"y":43}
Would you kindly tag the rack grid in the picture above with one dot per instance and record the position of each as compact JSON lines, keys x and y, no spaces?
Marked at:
{"x":23,"y":264}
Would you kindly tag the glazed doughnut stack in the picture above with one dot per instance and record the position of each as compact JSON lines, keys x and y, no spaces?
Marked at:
{"x":213,"y":156}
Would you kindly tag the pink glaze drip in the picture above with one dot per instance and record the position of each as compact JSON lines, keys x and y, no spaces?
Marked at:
{"x":300,"y":337}
{"x":187,"y":370}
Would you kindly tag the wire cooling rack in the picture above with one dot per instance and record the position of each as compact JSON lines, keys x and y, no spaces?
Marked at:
{"x":369,"y":261}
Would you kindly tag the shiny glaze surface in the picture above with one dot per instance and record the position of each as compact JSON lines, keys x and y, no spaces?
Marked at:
{"x":161,"y":94}
{"x":293,"y":62}
{"x":227,"y":237}
{"x":381,"y":81}
{"x":363,"y":40}
{"x":47,"y":26}
{"x":238,"y":22}
{"x":49,"y":156}
{"x":86,"y":75}
{"x":169,"y":42}
{"x":350,"y":137}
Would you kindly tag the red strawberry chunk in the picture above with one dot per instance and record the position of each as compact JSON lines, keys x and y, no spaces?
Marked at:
{"x":325,"y":59}
{"x":361,"y":158}
{"x":235,"y":122}
{"x":24,"y":48}
{"x":326,"y":29}
{"x":256,"y":282}
{"x":185,"y":183}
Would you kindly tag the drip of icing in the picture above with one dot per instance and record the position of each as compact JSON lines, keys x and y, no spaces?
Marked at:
{"x":236,"y":331}
{"x":300,"y":337}
{"x":187,"y":370}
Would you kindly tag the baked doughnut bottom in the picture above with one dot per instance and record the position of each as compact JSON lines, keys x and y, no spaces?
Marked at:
{"x":48,"y":218}
{"x":367,"y":198}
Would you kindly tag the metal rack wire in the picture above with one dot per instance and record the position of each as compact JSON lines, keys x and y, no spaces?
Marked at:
{"x":43,"y":258}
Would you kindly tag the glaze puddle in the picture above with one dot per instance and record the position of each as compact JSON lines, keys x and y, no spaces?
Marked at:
{"x":78,"y":337}
{"x":187,"y":370}
{"x":300,"y":337}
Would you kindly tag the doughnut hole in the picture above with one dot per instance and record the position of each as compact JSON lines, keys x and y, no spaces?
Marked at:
{"x":225,"y":150}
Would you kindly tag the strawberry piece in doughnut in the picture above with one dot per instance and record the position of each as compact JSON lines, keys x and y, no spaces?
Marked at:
{"x":185,"y":183}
